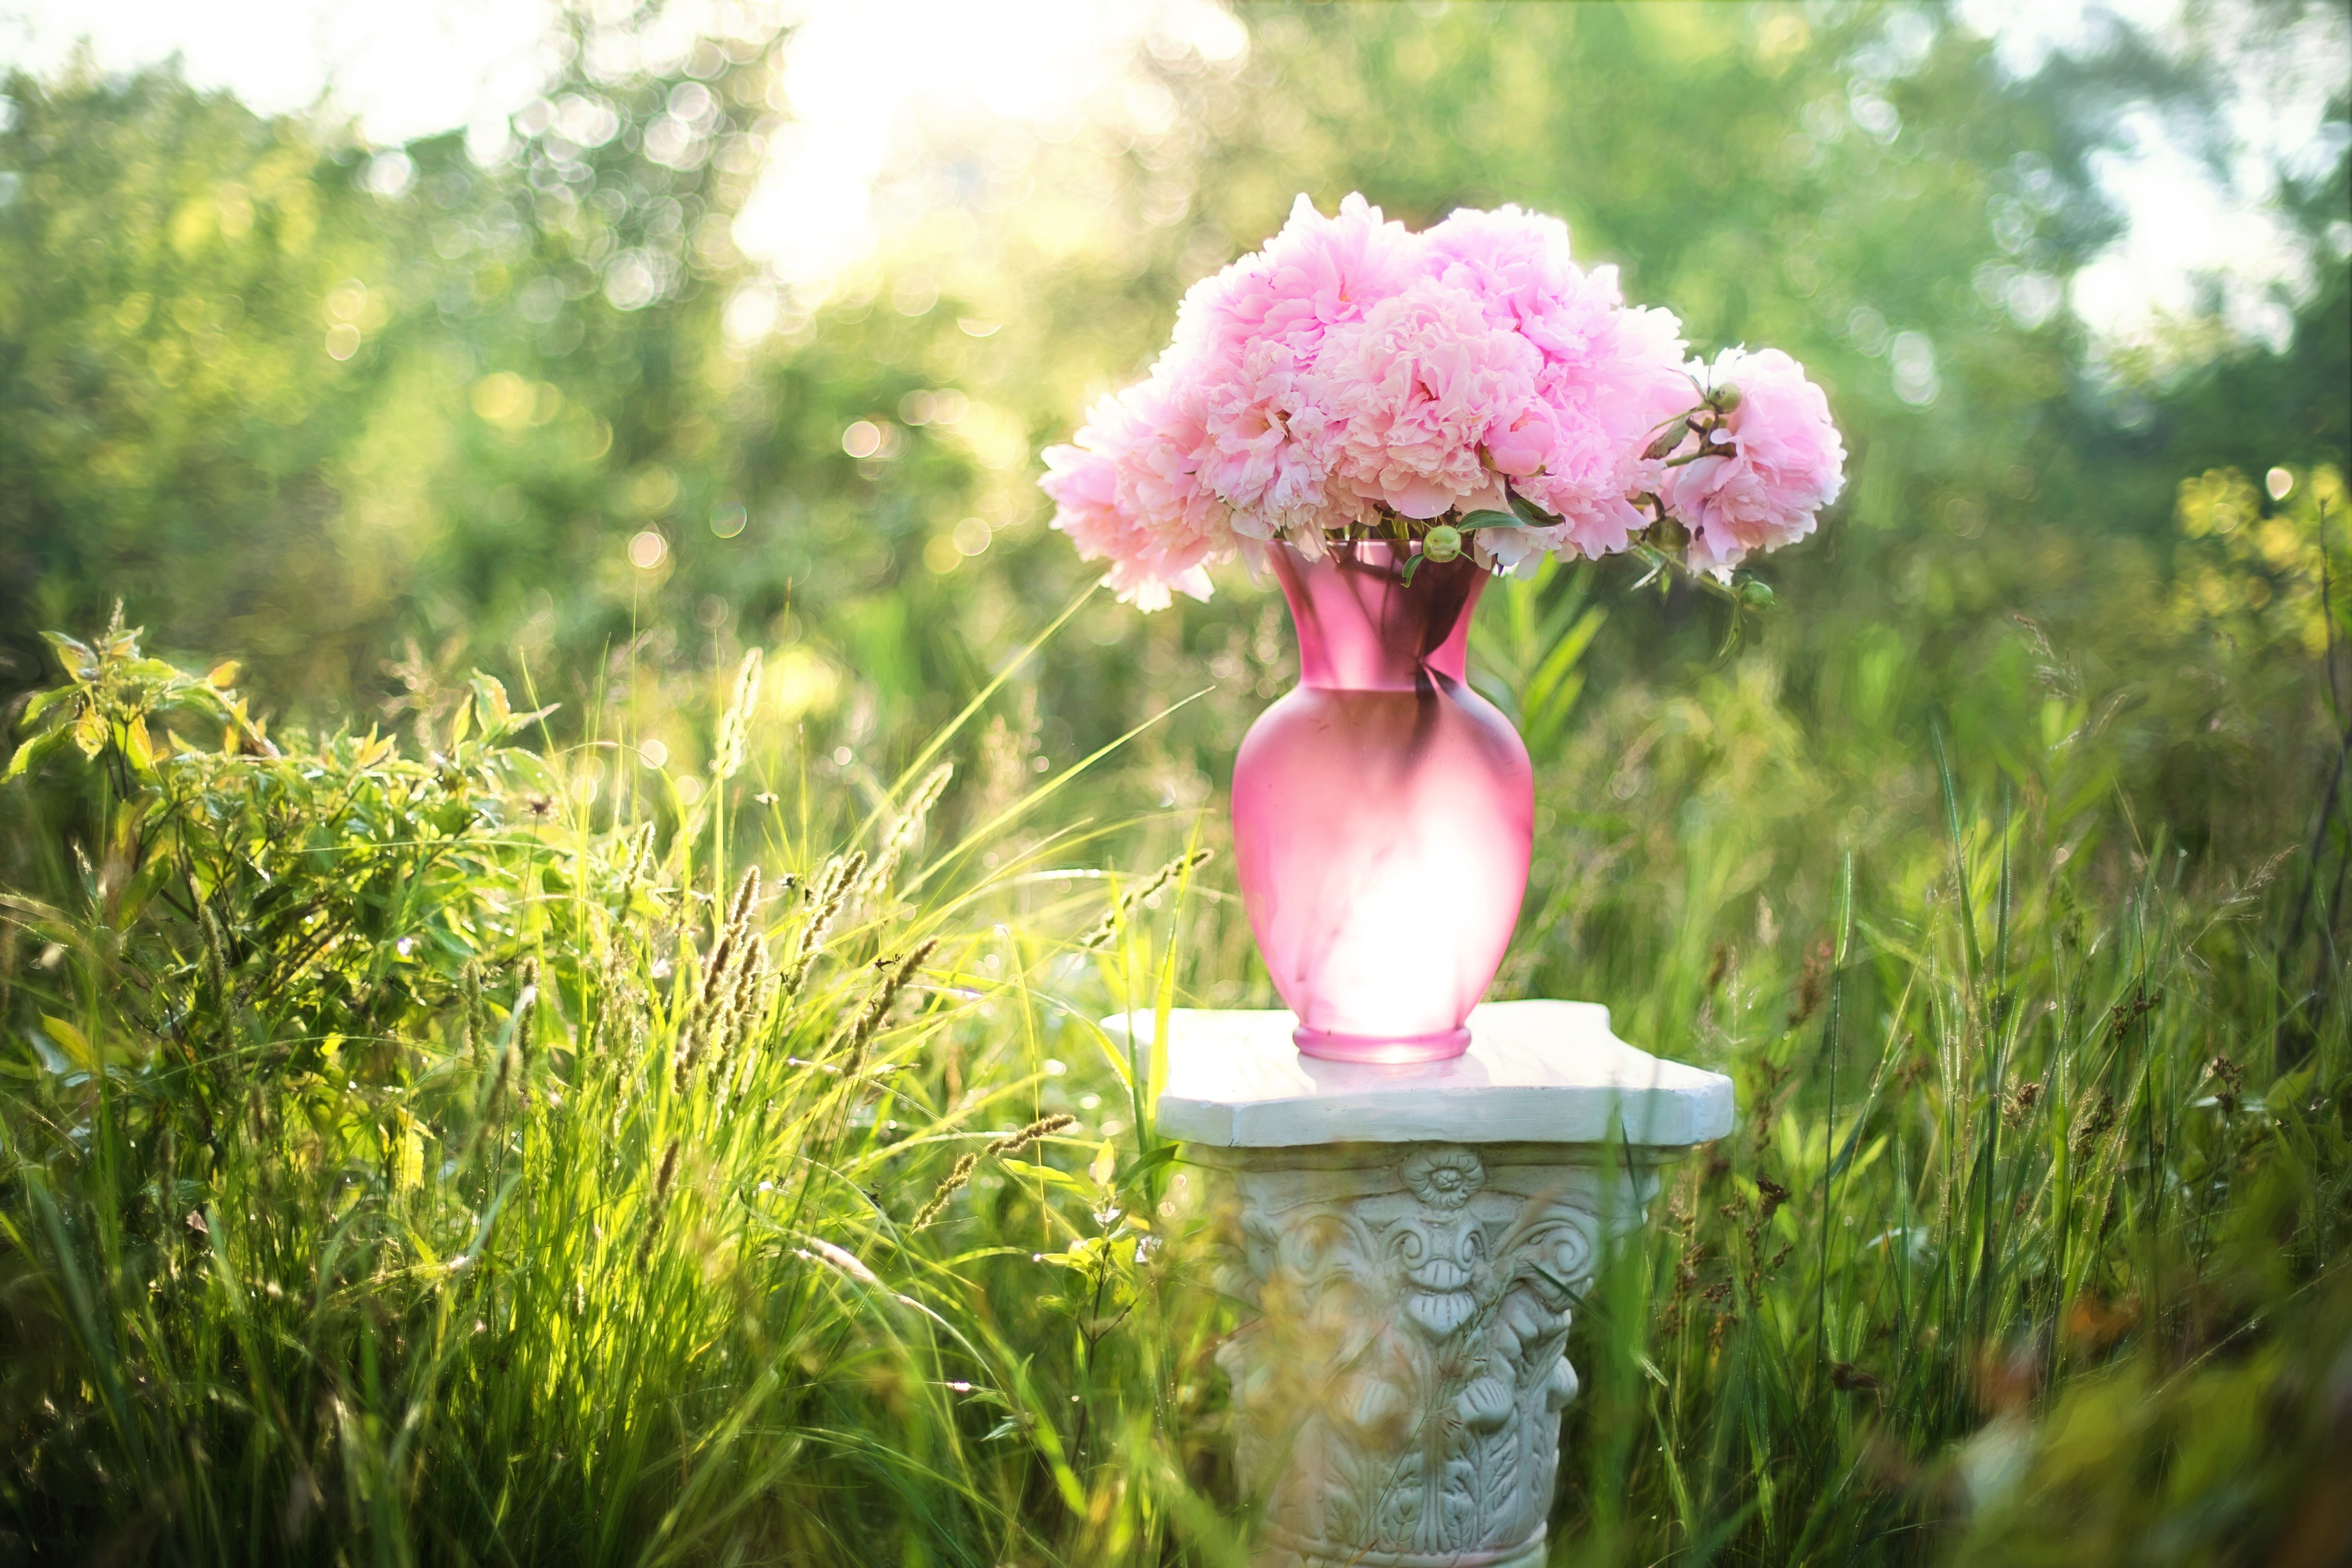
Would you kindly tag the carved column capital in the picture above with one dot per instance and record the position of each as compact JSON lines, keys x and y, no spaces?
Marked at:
{"x":1406,"y":1255}
{"x":1398,"y":1389}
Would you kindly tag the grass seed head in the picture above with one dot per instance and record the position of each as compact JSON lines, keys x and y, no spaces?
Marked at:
{"x":747,"y":1001}
{"x":636,"y":863}
{"x":525,"y":1012}
{"x":746,"y":901}
{"x":905,"y":830}
{"x":1132,"y":900}
{"x":1809,"y":983}
{"x":664,"y":1178}
{"x":469,"y":1009}
{"x":948,"y":1188}
{"x":826,"y":895}
{"x":215,"y":957}
{"x":877,"y":1006}
{"x":735,"y":724}
{"x":1021,"y":1137}
{"x":1011,"y":1143}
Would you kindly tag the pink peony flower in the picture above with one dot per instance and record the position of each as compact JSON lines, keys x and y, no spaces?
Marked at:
{"x":1785,"y":462}
{"x":1518,"y":264}
{"x":1412,"y":391}
{"x":1125,"y":492}
{"x":1264,"y":454}
{"x":1351,"y":373}
{"x":1246,"y":338}
{"x":1315,"y":274}
{"x":1610,"y":375}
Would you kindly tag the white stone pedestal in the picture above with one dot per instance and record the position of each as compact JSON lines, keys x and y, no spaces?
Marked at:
{"x":1410,"y":1241}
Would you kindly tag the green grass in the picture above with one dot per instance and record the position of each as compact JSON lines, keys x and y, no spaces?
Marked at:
{"x":467,"y":1156}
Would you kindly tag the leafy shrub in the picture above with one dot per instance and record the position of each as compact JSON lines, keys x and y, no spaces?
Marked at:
{"x":416,"y":1164}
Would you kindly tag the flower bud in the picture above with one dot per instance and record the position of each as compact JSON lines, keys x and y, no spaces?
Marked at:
{"x":1756,"y":596}
{"x":1727,"y":398}
{"x":1443,"y":543}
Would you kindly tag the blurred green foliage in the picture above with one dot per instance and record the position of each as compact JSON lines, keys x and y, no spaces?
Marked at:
{"x":290,"y":396}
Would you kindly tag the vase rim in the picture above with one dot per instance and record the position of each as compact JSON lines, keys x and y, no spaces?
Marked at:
{"x":1362,"y":627}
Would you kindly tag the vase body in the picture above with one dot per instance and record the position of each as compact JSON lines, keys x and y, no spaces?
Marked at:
{"x":1383,"y":812}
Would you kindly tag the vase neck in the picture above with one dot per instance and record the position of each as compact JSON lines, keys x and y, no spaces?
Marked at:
{"x":1361,"y":628}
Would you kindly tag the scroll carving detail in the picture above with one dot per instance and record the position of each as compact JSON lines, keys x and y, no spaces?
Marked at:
{"x":1399,"y":1389}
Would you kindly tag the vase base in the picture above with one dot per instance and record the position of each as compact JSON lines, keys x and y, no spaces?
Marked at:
{"x":1441,"y":1045}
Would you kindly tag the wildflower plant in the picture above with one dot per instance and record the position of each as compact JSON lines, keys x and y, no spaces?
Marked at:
{"x":404,"y":1150}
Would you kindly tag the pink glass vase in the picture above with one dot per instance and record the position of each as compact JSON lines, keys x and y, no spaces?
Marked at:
{"x":1383,"y":812}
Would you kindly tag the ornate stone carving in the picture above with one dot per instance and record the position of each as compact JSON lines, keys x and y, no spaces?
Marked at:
{"x":1399,"y":1384}
{"x":1408,"y":1242}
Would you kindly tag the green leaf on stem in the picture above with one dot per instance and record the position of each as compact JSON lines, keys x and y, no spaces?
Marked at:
{"x":80,"y":662}
{"x":1529,"y":513}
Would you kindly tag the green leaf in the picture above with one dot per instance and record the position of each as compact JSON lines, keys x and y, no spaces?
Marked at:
{"x":490,"y":704}
{"x":79,"y":660}
{"x":72,"y":1040}
{"x":1046,"y":1174}
{"x":34,"y":750}
{"x":89,"y":733}
{"x":1143,"y":1164}
{"x":136,"y":745}
{"x":1486,"y":517}
{"x":461,"y":722}
{"x":121,"y":641}
{"x":1531,"y":514}
{"x":43,"y":701}
{"x":1555,"y":686}
{"x":1668,"y":440}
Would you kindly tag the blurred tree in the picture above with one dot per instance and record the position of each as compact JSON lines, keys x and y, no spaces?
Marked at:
{"x":292,"y":396}
{"x":300,"y":398}
{"x":173,"y":411}
{"x":1863,"y":185}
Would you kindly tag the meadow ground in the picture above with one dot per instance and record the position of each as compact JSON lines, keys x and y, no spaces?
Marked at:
{"x":423,"y":1158}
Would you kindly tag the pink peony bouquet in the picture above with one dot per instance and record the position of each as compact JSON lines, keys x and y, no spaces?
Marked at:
{"x":1469,"y":387}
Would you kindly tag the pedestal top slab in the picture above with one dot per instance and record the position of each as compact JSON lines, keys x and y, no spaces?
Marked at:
{"x":1535,"y":1072}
